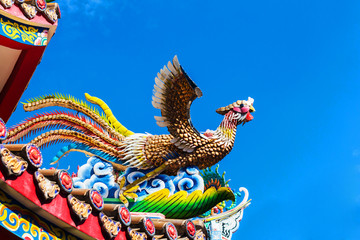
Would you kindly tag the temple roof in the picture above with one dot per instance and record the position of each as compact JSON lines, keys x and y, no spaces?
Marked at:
{"x":50,"y":194}
{"x":26,"y":28}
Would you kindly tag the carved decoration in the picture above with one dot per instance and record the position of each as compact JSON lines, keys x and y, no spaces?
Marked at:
{"x":29,"y":10}
{"x":134,"y":235}
{"x":81,"y":209}
{"x":111,"y":227}
{"x":49,"y":188}
{"x":51,"y":14}
{"x":14,"y":165}
{"x":200,"y":236}
{"x":7,"y":3}
{"x":34,"y":155}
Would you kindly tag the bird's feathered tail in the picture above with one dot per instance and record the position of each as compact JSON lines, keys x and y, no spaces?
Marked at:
{"x":87,"y":130}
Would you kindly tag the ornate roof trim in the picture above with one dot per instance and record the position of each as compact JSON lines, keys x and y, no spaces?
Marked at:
{"x":32,"y":8}
{"x":83,"y":211}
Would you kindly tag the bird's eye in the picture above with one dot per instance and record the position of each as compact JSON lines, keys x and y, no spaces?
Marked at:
{"x":244,"y":109}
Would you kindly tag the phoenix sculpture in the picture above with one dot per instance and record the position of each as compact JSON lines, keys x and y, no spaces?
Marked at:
{"x":104,"y":136}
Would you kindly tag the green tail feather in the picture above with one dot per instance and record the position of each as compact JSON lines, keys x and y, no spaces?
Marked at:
{"x":181,"y":204}
{"x":72,"y":99}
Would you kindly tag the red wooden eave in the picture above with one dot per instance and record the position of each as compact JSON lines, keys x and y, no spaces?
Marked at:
{"x":20,"y":76}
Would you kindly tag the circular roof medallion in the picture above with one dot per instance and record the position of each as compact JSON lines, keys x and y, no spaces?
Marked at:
{"x":124,"y":215}
{"x":171,"y":231}
{"x":65,"y":181}
{"x":34,"y":155}
{"x":41,"y":5}
{"x":96,"y":200}
{"x":190,"y":229}
{"x":3,"y":130}
{"x":149,"y":227}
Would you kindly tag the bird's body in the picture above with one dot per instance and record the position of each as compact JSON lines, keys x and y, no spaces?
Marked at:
{"x":105,"y":137}
{"x":159,"y":149}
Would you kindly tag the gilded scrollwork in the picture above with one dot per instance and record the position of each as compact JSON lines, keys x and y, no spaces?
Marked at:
{"x":14,"y":165}
{"x":25,"y":224}
{"x":134,"y":235}
{"x":29,"y":10}
{"x":200,"y":235}
{"x":51,"y":14}
{"x":81,"y":209}
{"x":7,"y":3}
{"x":27,"y":34}
{"x":49,"y":188}
{"x":110,"y":226}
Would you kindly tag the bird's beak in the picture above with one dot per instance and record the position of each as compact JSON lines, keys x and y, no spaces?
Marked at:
{"x":252,"y":109}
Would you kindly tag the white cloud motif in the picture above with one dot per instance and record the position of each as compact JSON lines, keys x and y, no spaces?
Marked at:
{"x":97,"y":174}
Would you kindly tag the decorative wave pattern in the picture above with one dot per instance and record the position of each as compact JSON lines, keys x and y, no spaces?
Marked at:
{"x":189,"y":180}
{"x":150,"y":186}
{"x":180,"y":197}
{"x":97,"y":174}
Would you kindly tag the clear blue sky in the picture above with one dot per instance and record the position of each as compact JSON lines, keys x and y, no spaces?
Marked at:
{"x":300,"y":156}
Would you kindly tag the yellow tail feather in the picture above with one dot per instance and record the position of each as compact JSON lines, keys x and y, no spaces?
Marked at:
{"x":116,"y":124}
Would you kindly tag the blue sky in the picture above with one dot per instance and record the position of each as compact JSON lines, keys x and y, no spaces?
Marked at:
{"x":300,"y":156}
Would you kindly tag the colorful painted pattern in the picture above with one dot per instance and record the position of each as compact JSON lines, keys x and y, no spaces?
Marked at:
{"x":25,"y":224}
{"x":22,"y":33}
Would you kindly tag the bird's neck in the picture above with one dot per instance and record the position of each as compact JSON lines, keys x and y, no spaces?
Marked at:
{"x":226,"y":131}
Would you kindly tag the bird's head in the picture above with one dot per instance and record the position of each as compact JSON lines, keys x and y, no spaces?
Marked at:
{"x":241,"y":110}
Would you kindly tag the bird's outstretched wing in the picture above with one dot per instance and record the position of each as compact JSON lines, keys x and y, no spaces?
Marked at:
{"x":174,"y":92}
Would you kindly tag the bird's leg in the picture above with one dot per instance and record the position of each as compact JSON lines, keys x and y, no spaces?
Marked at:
{"x":147,"y":176}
